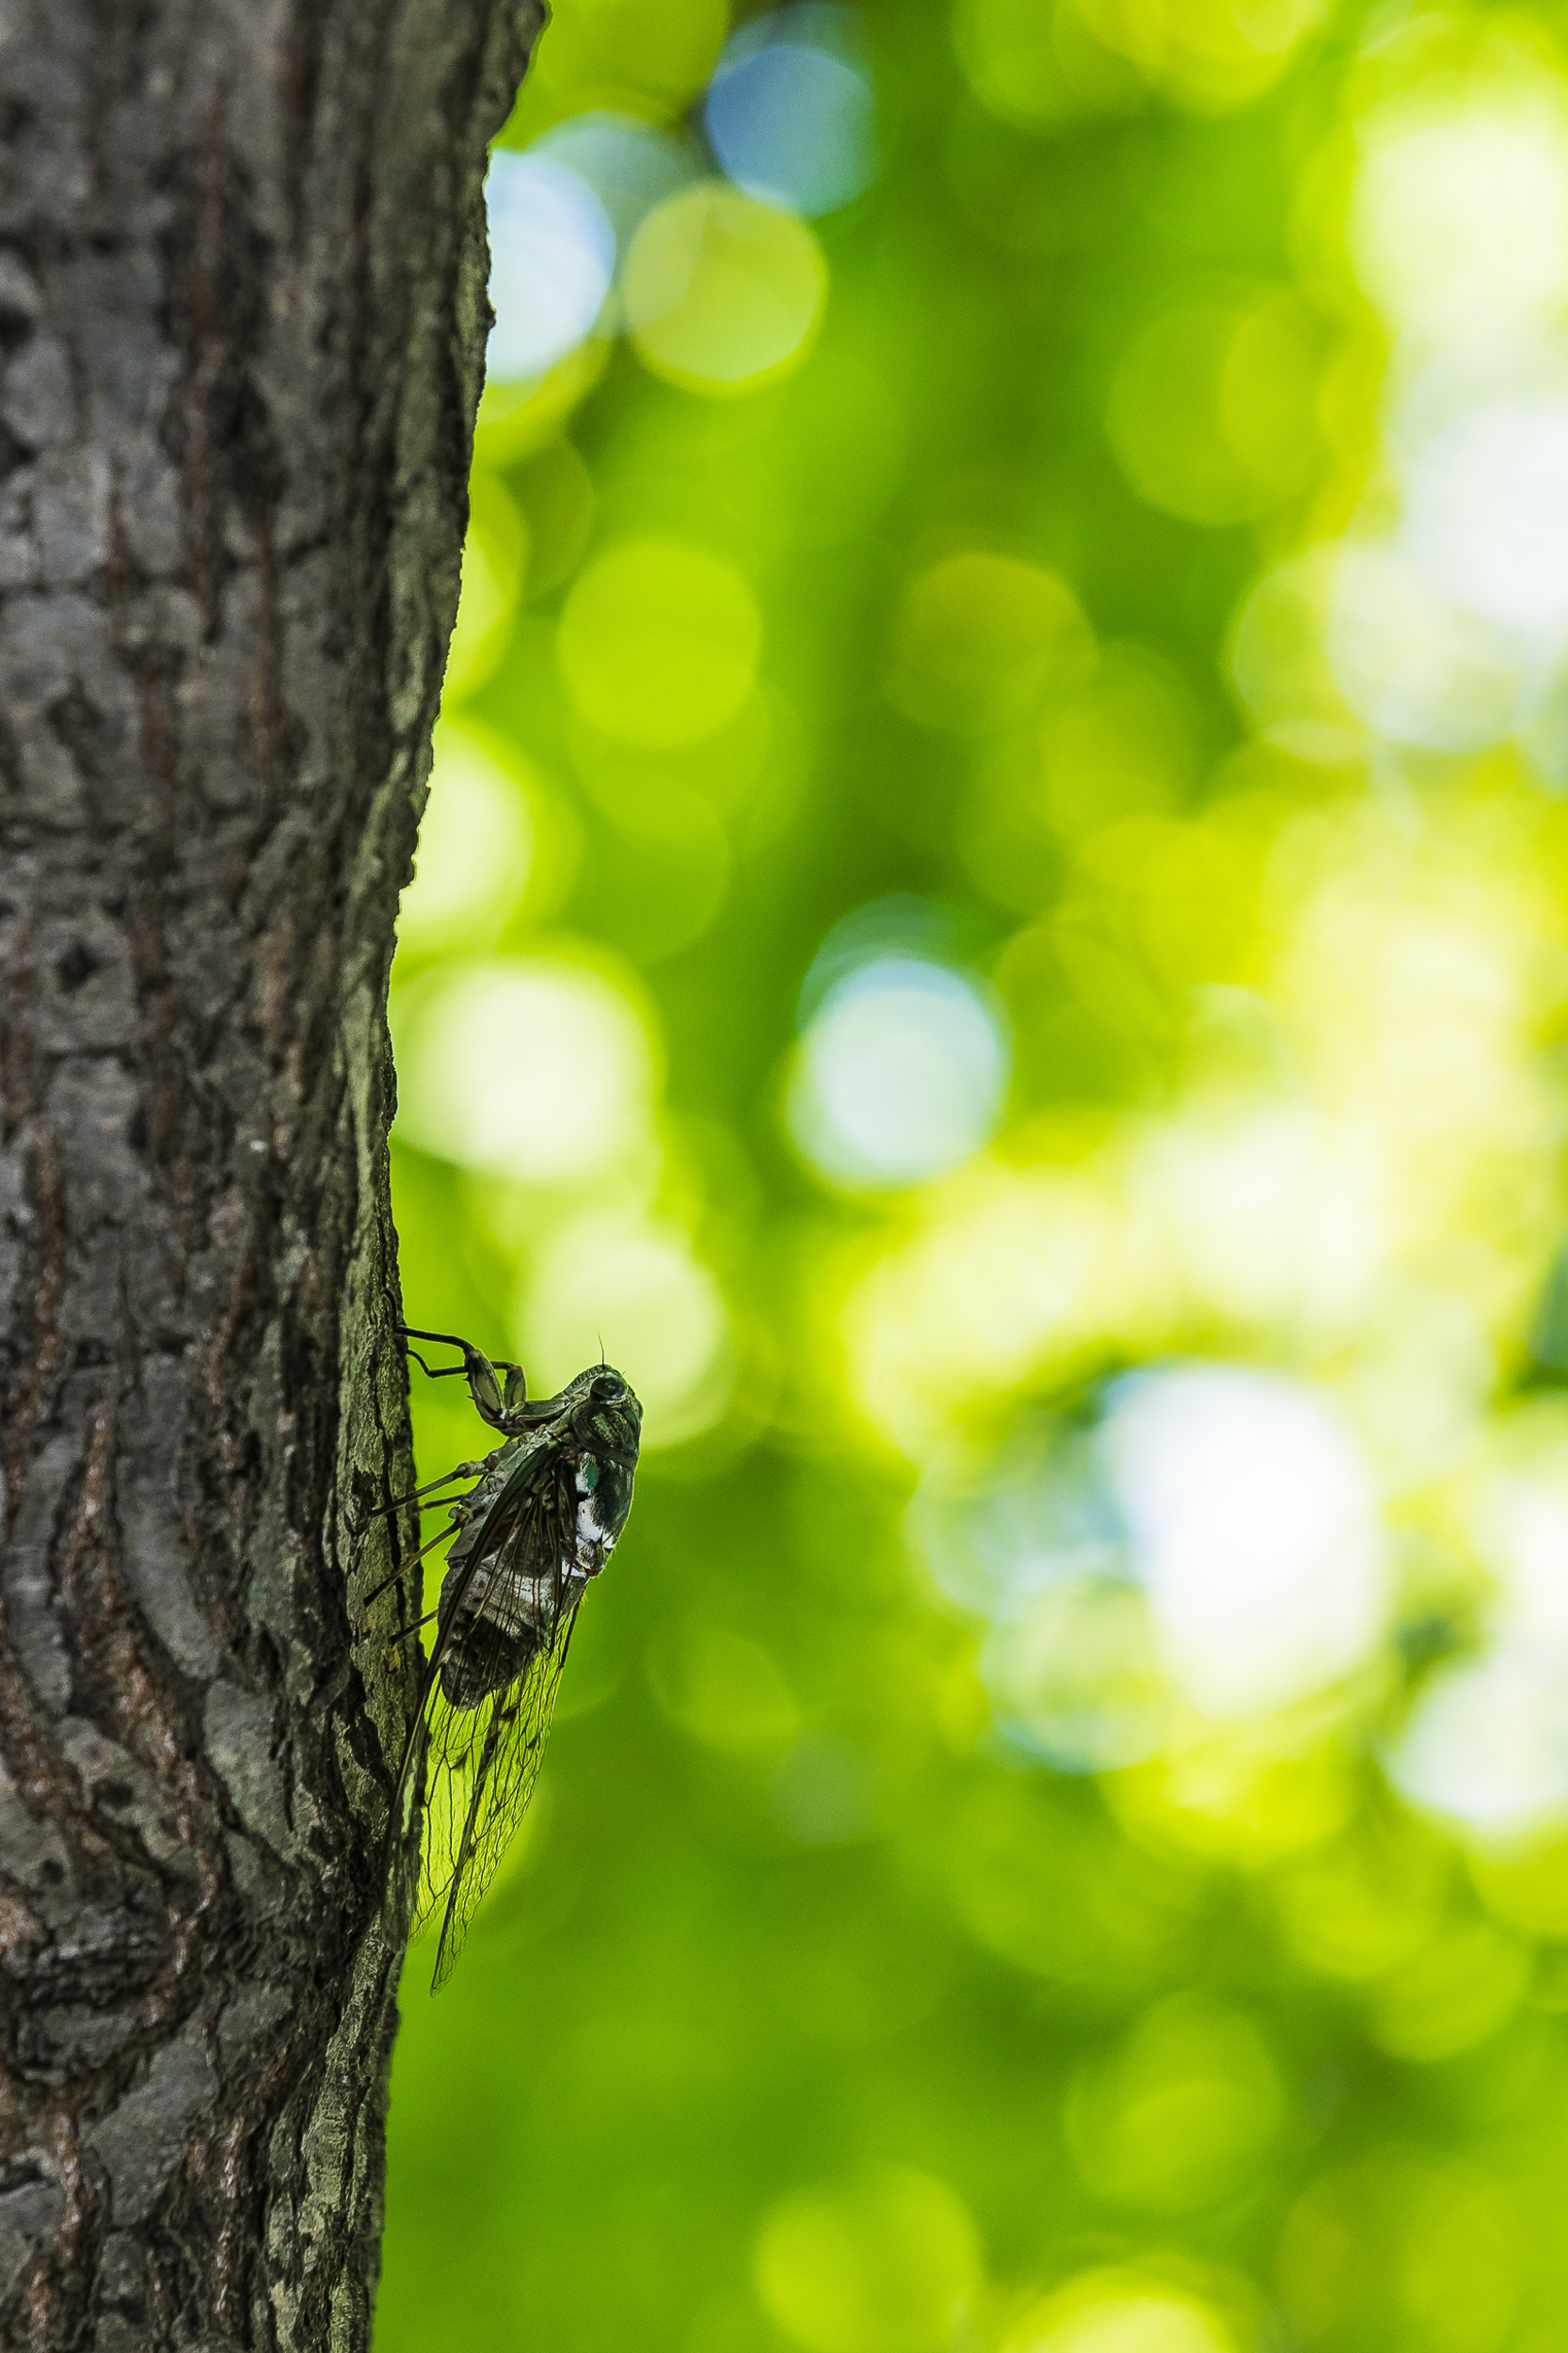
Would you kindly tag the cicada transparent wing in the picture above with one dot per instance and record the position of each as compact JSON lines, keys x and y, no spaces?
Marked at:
{"x":481,"y":1765}
{"x":504,"y":1623}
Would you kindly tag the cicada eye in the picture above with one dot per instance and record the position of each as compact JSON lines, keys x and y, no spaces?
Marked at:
{"x":605,"y":1388}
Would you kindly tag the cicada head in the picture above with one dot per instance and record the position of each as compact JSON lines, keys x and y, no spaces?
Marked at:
{"x":611,"y":1410}
{"x":607,"y":1421}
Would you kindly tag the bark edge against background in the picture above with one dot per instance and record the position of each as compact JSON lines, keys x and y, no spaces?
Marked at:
{"x":242,"y":319}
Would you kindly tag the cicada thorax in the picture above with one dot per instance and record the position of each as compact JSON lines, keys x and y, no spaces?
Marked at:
{"x":504,"y":1593}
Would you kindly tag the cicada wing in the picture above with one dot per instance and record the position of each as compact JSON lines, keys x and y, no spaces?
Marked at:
{"x":522,"y":1527}
{"x":482,"y":1757}
{"x":483,"y":1765}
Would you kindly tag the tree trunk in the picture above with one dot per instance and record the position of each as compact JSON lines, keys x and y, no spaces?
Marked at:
{"x":242,"y":314}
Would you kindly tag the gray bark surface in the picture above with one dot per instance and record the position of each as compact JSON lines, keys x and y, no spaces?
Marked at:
{"x":242,"y":308}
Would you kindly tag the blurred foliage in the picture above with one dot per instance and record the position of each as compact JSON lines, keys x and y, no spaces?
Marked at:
{"x":991,"y":924}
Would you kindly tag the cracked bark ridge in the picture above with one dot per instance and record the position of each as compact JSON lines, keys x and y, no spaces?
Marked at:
{"x":242,"y":315}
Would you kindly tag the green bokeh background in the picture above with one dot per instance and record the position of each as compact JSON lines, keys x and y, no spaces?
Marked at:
{"x":819,"y":2010}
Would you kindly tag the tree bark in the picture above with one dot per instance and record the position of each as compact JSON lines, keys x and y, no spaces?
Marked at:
{"x":242,"y":315}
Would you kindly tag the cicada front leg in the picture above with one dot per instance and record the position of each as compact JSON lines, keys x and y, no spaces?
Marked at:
{"x":497,"y":1399}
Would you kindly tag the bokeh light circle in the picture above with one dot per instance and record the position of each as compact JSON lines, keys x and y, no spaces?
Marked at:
{"x":553,"y":251}
{"x":887,"y":2264}
{"x":902,"y":1073}
{"x":1108,"y":2312}
{"x":475,"y":848}
{"x":1206,"y":54}
{"x":528,"y":1067}
{"x":1075,"y":1672}
{"x":1459,"y":214}
{"x":1254,"y":1525}
{"x":978,"y":637}
{"x":1182,"y":2112}
{"x":1408,"y":661}
{"x":629,"y":165}
{"x":1486,"y":1745}
{"x":1486,"y":516}
{"x":790,"y":116}
{"x":722,"y":294}
{"x":638,"y":1290}
{"x":659,"y":643}
{"x":1211,"y":411}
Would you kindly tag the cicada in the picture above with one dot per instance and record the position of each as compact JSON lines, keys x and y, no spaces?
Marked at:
{"x":543,"y":1519}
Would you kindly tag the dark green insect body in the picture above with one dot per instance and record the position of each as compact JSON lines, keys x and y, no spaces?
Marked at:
{"x":526,"y":1542}
{"x":500,"y":1601}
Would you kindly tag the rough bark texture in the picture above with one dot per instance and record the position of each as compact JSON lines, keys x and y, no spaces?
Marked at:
{"x":241,"y":298}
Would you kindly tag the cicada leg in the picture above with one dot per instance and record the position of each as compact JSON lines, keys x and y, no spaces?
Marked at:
{"x":418,"y":1624}
{"x":492,"y":1396}
{"x":440,"y":1537}
{"x":464,"y":1470}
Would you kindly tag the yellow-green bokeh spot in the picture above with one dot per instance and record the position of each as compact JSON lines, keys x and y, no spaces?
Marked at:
{"x":1035,"y":64}
{"x":1212,"y":412}
{"x":1452,"y":1994}
{"x":1403,"y":2251}
{"x":621,"y":56}
{"x":495,"y":561}
{"x":888,"y":2263}
{"x":659,"y":643}
{"x":978,"y":638}
{"x":1206,"y":54}
{"x":516,"y":419}
{"x":1111,"y":2311}
{"x":722,"y":294}
{"x":1038,"y":64}
{"x":535,"y":1067}
{"x":476,"y":853}
{"x":1181,"y":2113}
{"x":611,"y":1273}
{"x":722,"y":1689}
{"x":1357,"y":1908}
{"x":1032,"y":1880}
{"x":1526,"y":1885}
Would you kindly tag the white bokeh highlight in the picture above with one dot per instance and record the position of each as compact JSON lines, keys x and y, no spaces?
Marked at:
{"x":1486,"y":1746}
{"x":526,"y":1067}
{"x":1486,"y":516}
{"x":475,"y":849}
{"x":553,"y":255}
{"x":902,"y":1074}
{"x":1440,"y":620}
{"x":1253,"y":1526}
{"x":1486,"y":1743}
{"x":1408,"y":663}
{"x":1459,"y":218}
